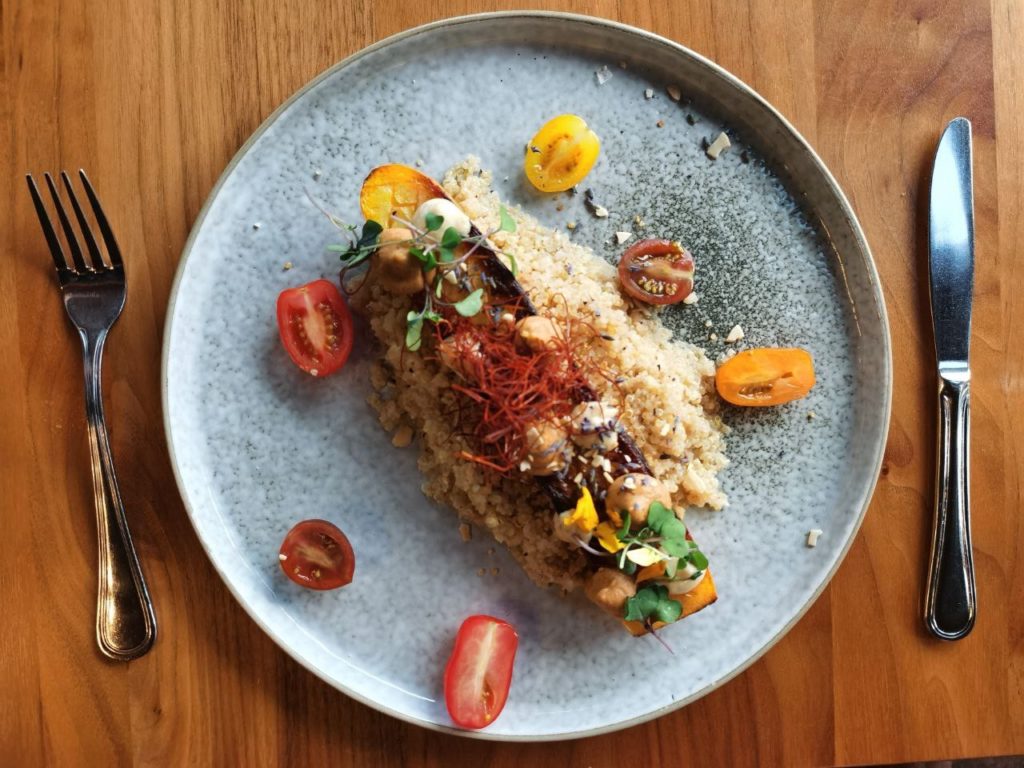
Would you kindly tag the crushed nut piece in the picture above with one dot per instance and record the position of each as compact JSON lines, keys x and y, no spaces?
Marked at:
{"x":693,"y":298}
{"x":812,"y":537}
{"x":601,"y":212}
{"x":713,"y":337}
{"x":811,"y":415}
{"x":288,"y":265}
{"x":674,"y":93}
{"x":734,"y":335}
{"x":648,"y":93}
{"x":621,"y":237}
{"x":660,"y":123}
{"x":638,"y":222}
{"x":707,"y":323}
{"x":603,"y":75}
{"x":570,"y":225}
{"x":256,"y":225}
{"x":402,"y":437}
{"x":718,"y":146}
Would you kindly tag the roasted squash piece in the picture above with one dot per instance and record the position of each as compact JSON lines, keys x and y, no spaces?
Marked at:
{"x":701,"y":597}
{"x":395,"y":189}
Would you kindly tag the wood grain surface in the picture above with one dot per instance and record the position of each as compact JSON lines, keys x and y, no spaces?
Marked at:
{"x":153,"y":98}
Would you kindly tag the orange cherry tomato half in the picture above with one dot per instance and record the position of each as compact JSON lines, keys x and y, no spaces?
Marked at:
{"x":395,"y":190}
{"x":479,"y":673}
{"x":657,"y":271}
{"x":765,"y":376}
{"x":317,"y":555}
{"x":561,"y":154}
{"x":315,"y":326}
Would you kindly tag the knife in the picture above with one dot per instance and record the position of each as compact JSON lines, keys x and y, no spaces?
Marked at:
{"x":950,"y":601}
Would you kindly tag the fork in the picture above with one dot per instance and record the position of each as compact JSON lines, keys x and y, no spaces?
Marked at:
{"x":94,"y":292}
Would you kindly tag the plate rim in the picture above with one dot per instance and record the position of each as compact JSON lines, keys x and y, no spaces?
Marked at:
{"x":845,"y":208}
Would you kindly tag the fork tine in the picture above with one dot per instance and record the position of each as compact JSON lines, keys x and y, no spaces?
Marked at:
{"x":83,"y":224}
{"x":108,"y":234}
{"x":44,"y":221}
{"x":69,"y":233}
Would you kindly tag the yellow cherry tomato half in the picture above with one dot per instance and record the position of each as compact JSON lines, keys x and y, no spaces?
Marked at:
{"x":765,"y":376}
{"x":395,"y":189}
{"x":561,"y":154}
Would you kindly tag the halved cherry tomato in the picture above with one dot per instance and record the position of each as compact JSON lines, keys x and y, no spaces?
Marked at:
{"x":765,"y":376}
{"x":479,"y":673}
{"x":657,"y":271}
{"x":395,"y":189}
{"x":317,"y":555}
{"x":561,"y":154}
{"x":315,"y":327}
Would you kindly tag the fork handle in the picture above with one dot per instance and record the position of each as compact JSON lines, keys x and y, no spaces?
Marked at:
{"x":950,"y":602}
{"x":125,"y":623}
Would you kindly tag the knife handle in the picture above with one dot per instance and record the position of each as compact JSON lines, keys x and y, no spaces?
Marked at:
{"x":950,"y":603}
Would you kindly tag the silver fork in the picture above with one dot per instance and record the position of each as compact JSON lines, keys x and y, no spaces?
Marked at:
{"x":93,"y":292}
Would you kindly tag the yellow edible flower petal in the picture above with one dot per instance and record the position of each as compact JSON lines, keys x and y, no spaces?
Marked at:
{"x":584,"y":517}
{"x":606,"y":535}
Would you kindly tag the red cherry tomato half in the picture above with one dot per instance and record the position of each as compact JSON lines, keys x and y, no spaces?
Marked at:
{"x":479,"y":673}
{"x":315,"y":327}
{"x":657,"y":271}
{"x":317,"y":555}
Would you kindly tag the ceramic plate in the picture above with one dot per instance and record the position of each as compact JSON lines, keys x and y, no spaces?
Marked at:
{"x":257,"y":445}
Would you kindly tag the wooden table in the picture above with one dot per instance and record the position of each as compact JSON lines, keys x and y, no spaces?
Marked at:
{"x":153,"y":98}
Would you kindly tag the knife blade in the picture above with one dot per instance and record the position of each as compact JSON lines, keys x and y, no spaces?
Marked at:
{"x":950,"y":599}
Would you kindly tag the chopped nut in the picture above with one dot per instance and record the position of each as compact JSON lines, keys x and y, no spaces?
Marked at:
{"x":288,"y":265}
{"x":601,"y":212}
{"x":570,"y":225}
{"x":648,"y":93}
{"x":603,"y":75}
{"x":713,"y":337}
{"x":256,"y":225}
{"x":465,"y":531}
{"x":419,"y":163}
{"x":734,"y":335}
{"x":638,"y":222}
{"x":621,"y":237}
{"x":402,"y":437}
{"x":707,"y":323}
{"x":812,"y":537}
{"x":811,"y":415}
{"x":718,"y":146}
{"x":660,"y":123}
{"x":317,"y":174}
{"x":674,"y":93}
{"x":693,"y":298}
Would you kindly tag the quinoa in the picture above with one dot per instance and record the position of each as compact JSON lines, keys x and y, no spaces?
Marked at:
{"x":664,"y":389}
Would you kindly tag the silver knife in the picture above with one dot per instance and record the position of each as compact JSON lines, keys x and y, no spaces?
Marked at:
{"x":950,"y":602}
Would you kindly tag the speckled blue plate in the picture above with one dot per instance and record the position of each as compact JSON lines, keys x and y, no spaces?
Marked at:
{"x":257,"y":445}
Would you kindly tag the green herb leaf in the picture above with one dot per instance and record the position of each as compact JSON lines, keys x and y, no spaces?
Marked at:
{"x":450,"y":238}
{"x":657,"y":515}
{"x":338,"y":248}
{"x":414,"y":331}
{"x":642,"y":604}
{"x":472,"y":304}
{"x":432,"y":316}
{"x":667,"y":610}
{"x":623,"y":532}
{"x":508,"y":224}
{"x":697,"y":559}
{"x":371,"y":231}
{"x":446,"y":254}
{"x":433,"y":221}
{"x":677,"y":547}
{"x":673,"y":529}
